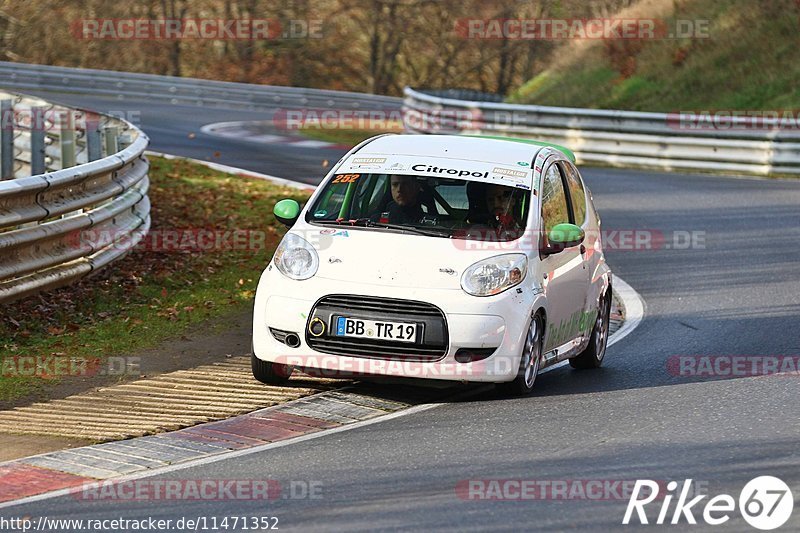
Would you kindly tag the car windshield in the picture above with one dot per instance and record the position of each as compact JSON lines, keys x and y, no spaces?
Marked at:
{"x":443,"y":207}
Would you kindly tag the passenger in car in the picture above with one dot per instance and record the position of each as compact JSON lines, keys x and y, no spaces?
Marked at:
{"x":495,"y":206}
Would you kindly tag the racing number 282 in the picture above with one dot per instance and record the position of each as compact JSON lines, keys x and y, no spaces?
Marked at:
{"x":346,"y":178}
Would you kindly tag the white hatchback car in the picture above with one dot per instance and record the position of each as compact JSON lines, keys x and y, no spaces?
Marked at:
{"x":474,"y":259}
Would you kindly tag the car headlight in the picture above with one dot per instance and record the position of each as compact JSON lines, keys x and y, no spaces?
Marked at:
{"x":296,"y":258}
{"x":494,"y":275}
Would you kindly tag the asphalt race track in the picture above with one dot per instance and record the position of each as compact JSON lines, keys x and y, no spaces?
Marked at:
{"x":170,"y":128}
{"x":732,"y":294}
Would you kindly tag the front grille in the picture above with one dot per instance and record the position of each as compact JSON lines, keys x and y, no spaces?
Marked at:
{"x":370,"y":348}
{"x":434,"y":328}
{"x":383,"y":305}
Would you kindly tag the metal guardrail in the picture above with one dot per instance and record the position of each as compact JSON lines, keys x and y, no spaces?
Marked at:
{"x":73,"y":195}
{"x":616,"y":138}
{"x":58,"y":221}
{"x":187,"y":91}
{"x":463,"y":94}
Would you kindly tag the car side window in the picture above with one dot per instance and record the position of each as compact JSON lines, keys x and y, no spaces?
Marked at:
{"x":577,"y":193}
{"x":554,"y":200}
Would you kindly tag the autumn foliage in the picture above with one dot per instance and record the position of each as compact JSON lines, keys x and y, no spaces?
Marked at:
{"x":359,"y":45}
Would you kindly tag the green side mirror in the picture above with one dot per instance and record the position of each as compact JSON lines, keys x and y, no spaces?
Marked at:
{"x":563,"y":236}
{"x":287,"y":211}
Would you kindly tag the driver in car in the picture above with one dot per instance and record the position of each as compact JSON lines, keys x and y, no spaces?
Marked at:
{"x":404,"y":208}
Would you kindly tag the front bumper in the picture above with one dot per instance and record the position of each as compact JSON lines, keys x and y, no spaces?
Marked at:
{"x":475,"y":323}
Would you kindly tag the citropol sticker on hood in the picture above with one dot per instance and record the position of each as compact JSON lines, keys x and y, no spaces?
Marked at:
{"x":484,"y":171}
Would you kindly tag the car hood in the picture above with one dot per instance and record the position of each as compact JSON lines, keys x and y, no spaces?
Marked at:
{"x":382,"y":257}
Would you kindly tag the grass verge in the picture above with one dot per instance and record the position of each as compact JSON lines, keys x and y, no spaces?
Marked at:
{"x":744,"y":58}
{"x":212,"y":234}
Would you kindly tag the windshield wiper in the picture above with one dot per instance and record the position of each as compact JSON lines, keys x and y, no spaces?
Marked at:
{"x":369,"y":223}
{"x":345,"y":222}
{"x":430,"y":232}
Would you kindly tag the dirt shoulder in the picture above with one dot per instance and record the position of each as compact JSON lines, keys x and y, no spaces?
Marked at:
{"x":195,"y":272}
{"x":214,"y":340}
{"x":181,"y":299}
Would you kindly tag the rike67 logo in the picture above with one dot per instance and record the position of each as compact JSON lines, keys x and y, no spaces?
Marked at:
{"x":765,"y":503}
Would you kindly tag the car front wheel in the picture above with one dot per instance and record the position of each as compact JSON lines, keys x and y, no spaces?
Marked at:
{"x":529,"y":362}
{"x":270,"y":373}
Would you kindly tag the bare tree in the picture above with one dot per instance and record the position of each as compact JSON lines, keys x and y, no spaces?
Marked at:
{"x":6,"y":24}
{"x":368,"y":45}
{"x":174,"y":10}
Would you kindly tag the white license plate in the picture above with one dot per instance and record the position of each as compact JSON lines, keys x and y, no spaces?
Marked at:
{"x":375,"y":329}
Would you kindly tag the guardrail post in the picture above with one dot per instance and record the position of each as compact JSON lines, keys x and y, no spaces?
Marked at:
{"x":66,"y":128}
{"x":111,"y":140}
{"x":125,"y":140}
{"x":7,"y":139}
{"x":94,"y":143}
{"x":38,"y":127}
{"x":67,"y":138}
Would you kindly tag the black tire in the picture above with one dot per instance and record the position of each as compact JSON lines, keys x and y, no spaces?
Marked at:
{"x":270,"y":373}
{"x":529,"y":362}
{"x":593,"y":355}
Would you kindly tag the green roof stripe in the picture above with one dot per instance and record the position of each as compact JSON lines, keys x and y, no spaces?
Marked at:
{"x":564,"y":149}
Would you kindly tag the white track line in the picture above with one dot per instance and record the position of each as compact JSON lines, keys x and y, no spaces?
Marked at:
{"x":237,"y":171}
{"x":237,"y":130}
{"x":210,"y":129}
{"x":634,"y":309}
{"x":222,"y":456}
